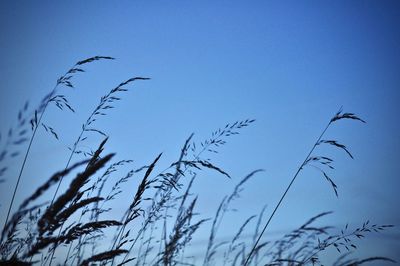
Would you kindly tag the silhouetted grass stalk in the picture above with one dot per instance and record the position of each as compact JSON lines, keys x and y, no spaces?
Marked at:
{"x":36,"y":122}
{"x":337,"y":116}
{"x":27,"y":153}
{"x":283,"y":196}
{"x":208,"y":145}
{"x":104,"y":104}
{"x":44,"y":231}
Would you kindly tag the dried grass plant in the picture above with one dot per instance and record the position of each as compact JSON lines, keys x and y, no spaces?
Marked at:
{"x":160,"y":221}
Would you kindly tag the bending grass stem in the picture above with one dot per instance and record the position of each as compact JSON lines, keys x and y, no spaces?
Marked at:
{"x":26,"y":157}
{"x":284,"y":194}
{"x":58,"y":187}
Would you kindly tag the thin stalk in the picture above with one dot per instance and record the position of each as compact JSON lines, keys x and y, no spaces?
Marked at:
{"x":26,"y":156}
{"x":66,"y":166}
{"x":78,"y":246}
{"x":284,"y":194}
{"x":42,"y":109}
{"x":159,"y":191}
{"x":146,"y":252}
{"x":101,"y":106}
{"x":80,"y":241}
{"x":49,"y":98}
{"x":141,"y":230}
{"x":58,"y":186}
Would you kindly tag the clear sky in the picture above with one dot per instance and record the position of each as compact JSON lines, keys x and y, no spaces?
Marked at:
{"x":288,"y":64}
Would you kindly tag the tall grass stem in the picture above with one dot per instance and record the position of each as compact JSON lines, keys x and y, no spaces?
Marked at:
{"x":284,"y":194}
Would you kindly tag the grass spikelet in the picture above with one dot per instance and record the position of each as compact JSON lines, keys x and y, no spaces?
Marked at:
{"x":205,"y":164}
{"x":66,"y":213}
{"x":341,"y":146}
{"x":344,"y":240}
{"x":104,"y":256}
{"x":334,"y":186}
{"x":340,"y":115}
{"x":145,"y":184}
{"x":52,"y":180}
{"x":88,"y":228}
{"x":73,"y":233}
{"x":91,"y":59}
{"x":45,"y":223}
{"x":216,"y":140}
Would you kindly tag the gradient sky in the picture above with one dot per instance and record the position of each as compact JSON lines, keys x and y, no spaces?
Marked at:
{"x":288,"y":64}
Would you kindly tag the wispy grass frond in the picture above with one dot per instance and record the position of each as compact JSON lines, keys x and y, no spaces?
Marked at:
{"x":47,"y":222}
{"x":104,"y":256}
{"x":155,"y":229}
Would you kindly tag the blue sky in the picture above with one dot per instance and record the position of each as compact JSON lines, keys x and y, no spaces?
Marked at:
{"x":288,"y":64}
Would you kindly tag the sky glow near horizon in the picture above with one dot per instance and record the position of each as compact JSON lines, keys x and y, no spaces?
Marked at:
{"x":290,"y":65}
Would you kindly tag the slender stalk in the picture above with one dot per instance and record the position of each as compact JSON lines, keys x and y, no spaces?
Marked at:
{"x":80,"y":241}
{"x":66,"y":166}
{"x":159,"y":191}
{"x":58,"y":186}
{"x":284,"y":194}
{"x":26,"y":156}
{"x":62,"y":80}
{"x":101,"y":106}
